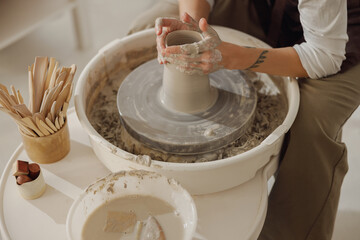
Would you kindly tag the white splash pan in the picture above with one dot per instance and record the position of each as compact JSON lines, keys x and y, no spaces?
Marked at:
{"x":197,"y":178}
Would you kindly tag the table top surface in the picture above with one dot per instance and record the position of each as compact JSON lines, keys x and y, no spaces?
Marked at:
{"x":237,"y":213}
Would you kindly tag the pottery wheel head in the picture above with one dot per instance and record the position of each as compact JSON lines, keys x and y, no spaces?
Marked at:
{"x":151,"y":122}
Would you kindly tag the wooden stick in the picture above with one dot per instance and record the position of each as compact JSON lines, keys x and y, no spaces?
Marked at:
{"x":30,"y":124}
{"x":54,"y":75}
{"x":69,"y":95}
{"x":57,"y":124}
{"x":66,"y":70}
{"x":5,"y":103}
{"x":72,"y":74}
{"x":61,"y":98}
{"x":38,"y":115}
{"x":27,"y":131}
{"x":4,"y":88}
{"x":50,"y":124}
{"x":14,"y":93}
{"x":61,"y":119}
{"x":49,"y":72}
{"x":54,"y":92}
{"x":43,"y":124}
{"x":22,"y":110}
{"x":14,"y":99}
{"x":73,"y":69}
{"x":7,"y":98}
{"x":20,"y":98}
{"x":49,"y":116}
{"x":40,"y":67}
{"x":12,"y":114}
{"x":41,"y":128}
{"x":31,"y":90}
{"x":52,"y":111}
{"x":4,"y":100}
{"x":61,"y":77}
{"x":43,"y":102}
{"x":65,"y":108}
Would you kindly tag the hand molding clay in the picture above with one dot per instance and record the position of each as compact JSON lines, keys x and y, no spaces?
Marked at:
{"x":173,"y":111}
{"x":189,"y":93}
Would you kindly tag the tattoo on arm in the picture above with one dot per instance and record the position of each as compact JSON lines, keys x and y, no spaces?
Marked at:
{"x":260,"y":60}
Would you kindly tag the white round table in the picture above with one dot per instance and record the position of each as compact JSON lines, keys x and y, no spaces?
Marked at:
{"x":237,"y":213}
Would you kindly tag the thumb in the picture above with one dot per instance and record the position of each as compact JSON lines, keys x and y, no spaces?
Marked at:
{"x":203,"y":25}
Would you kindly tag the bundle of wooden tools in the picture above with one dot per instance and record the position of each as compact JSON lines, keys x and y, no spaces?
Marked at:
{"x":50,"y":89}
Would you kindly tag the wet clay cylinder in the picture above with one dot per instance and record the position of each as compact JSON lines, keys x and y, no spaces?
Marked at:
{"x":183,"y":92}
{"x":50,"y":148}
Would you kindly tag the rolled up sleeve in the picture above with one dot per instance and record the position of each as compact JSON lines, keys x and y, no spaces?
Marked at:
{"x":324,"y":24}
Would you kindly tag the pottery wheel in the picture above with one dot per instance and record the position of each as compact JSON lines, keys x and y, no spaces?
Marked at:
{"x":149,"y":121}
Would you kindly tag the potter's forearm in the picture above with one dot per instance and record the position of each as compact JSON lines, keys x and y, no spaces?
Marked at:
{"x":196,"y":8}
{"x":277,"y":61}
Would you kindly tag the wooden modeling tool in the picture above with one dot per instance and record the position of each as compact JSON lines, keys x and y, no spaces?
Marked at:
{"x":50,"y":90}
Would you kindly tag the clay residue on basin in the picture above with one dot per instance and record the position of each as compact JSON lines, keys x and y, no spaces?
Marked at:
{"x":104,"y":117}
{"x":123,"y":218}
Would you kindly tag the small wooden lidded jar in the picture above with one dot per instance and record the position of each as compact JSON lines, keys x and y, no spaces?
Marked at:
{"x":48,"y":149}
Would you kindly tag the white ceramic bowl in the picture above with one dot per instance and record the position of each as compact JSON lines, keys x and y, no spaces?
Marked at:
{"x":197,"y":178}
{"x":127,"y":183}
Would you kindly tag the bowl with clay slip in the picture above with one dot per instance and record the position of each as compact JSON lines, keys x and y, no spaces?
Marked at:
{"x":133,"y":205}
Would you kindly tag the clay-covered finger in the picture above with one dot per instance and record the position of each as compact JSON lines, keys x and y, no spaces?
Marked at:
{"x":211,"y":56}
{"x":181,"y":59}
{"x":207,"y":44}
{"x":185,"y":58}
{"x":196,"y":48}
{"x":191,"y":48}
{"x":209,"y":34}
{"x":172,"y":50}
{"x":189,"y":20}
{"x":160,"y":41}
{"x":162,"y":22}
{"x":159,"y":59}
{"x":207,"y":56}
{"x":190,"y":70}
{"x":204,"y":67}
{"x":207,"y":30}
{"x":172,"y":24}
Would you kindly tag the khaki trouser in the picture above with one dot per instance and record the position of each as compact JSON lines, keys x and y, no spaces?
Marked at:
{"x":304,"y":199}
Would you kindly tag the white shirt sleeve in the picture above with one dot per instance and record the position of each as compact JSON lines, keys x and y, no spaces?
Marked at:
{"x":324,"y":24}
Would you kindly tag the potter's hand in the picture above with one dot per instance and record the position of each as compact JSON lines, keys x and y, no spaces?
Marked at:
{"x":165,"y":25}
{"x":201,"y":57}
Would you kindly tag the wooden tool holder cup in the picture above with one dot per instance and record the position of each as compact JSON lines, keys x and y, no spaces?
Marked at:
{"x":42,"y":123}
{"x":47,"y":149}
